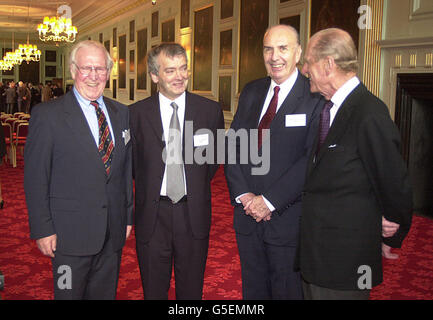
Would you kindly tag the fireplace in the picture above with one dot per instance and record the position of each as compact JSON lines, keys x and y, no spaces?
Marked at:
{"x":414,"y":118}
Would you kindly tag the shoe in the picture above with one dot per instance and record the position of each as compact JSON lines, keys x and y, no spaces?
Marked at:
{"x":2,"y":204}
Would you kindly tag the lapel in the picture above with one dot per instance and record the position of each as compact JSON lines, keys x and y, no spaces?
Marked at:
{"x":258,"y":98}
{"x":153,"y":113}
{"x":290,"y":104}
{"x":79,"y":127}
{"x":340,"y":123}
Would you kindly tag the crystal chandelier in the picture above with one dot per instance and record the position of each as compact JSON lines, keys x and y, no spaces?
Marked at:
{"x":57,"y":29}
{"x":5,"y":65}
{"x":29,"y":52}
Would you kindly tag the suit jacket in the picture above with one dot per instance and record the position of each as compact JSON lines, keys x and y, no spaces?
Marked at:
{"x":148,"y":145}
{"x":357,"y":177}
{"x":68,"y":192}
{"x":289,"y":150}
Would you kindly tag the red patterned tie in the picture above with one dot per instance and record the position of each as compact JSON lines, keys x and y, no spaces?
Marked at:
{"x":106,"y":144}
{"x":265,"y":123}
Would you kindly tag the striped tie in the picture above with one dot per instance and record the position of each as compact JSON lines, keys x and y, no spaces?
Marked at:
{"x":106,"y":144}
{"x":324,"y":123}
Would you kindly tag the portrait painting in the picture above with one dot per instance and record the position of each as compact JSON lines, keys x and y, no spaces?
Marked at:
{"x":254,"y":22}
{"x":203,"y":30}
{"x":141,"y":59}
{"x":225,"y":92}
{"x":226,"y":38}
{"x":167,"y":31}
{"x":335,"y":13}
{"x":184,"y":13}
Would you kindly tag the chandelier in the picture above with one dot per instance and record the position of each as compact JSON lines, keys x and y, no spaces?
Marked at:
{"x":13,"y":57}
{"x":5,"y":65}
{"x":29,"y":52}
{"x":58,"y":29}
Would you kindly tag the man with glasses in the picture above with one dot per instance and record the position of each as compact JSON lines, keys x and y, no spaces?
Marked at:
{"x":78,"y":180}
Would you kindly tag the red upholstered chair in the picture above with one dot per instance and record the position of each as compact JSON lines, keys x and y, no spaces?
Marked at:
{"x":10,"y":148}
{"x":5,"y":116}
{"x":22,"y":131}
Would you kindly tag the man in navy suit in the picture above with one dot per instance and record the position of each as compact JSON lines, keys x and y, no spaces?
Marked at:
{"x":78,"y":180}
{"x":357,"y":192}
{"x":267,"y":206}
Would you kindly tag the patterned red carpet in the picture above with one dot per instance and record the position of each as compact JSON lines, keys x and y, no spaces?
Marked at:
{"x":28,"y":274}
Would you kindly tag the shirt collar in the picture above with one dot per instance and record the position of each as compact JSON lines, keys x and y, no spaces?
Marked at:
{"x":342,"y":93}
{"x":180,"y":101}
{"x":287,"y":85}
{"x":84,"y":101}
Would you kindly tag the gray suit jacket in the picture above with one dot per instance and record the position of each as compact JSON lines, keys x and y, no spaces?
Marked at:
{"x":68,"y":192}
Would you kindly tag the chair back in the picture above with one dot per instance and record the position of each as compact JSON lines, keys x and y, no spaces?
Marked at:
{"x":22,"y":132}
{"x":7,"y":129}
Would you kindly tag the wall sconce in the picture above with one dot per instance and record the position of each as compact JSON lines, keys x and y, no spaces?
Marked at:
{"x":153,"y":2}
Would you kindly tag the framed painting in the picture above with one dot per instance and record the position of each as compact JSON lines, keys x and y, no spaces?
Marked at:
{"x":254,"y":22}
{"x":293,"y":21}
{"x":155,"y":22}
{"x":330,"y":13}
{"x":132,"y":31}
{"x":202,"y":63}
{"x":122,"y":62}
{"x":167,"y":31}
{"x":50,"y":71}
{"x":226,"y":38}
{"x":184,"y":13}
{"x":141,"y":59}
{"x":50,"y":56}
{"x":226,"y":9}
{"x":225,"y":92}
{"x":131,"y":61}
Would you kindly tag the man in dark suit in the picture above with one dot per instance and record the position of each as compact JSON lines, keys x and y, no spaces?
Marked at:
{"x":172,"y":194}
{"x":78,"y":180}
{"x":267,"y":206}
{"x":356,"y":179}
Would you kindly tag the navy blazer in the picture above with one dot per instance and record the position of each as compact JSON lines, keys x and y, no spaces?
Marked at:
{"x":289,"y":150}
{"x":67,"y":189}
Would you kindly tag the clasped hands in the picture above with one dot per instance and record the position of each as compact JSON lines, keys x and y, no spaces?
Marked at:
{"x":255,"y":207}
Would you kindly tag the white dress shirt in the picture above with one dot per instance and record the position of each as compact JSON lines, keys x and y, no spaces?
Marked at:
{"x":91,"y":117}
{"x":285,"y":89}
{"x":166,"y":111}
{"x":341,"y":95}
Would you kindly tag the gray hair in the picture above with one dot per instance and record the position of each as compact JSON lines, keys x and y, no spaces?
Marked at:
{"x":338,"y":44}
{"x":170,"y":49}
{"x":90,"y":44}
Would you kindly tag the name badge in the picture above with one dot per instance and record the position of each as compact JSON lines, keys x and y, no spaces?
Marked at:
{"x":296,"y":120}
{"x":201,"y":140}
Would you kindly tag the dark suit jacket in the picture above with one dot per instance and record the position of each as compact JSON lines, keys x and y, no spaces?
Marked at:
{"x":289,"y":150}
{"x":148,"y":145}
{"x":68,"y":192}
{"x":357,"y":177}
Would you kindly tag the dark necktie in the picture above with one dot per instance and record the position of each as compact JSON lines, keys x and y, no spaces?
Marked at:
{"x":324,"y":124}
{"x":106,"y":144}
{"x":175,"y":182}
{"x":265,"y":123}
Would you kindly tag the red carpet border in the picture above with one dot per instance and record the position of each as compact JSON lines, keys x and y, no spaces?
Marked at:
{"x":28,"y":274}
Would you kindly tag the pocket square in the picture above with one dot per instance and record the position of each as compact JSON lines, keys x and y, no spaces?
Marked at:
{"x":333,"y":146}
{"x":126,"y":135}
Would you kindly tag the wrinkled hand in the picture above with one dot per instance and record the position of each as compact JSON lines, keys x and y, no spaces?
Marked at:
{"x":386,"y":252}
{"x":259,"y":209}
{"x":245,"y":199}
{"x":389,"y":228}
{"x":47,"y":245}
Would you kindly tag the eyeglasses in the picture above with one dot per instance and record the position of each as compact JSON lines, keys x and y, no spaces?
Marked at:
{"x":86,"y":70}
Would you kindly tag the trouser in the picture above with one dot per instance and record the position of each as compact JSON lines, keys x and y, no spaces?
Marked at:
{"x":313,"y":292}
{"x":87,"y":277}
{"x":267,"y":270}
{"x":172,"y":243}
{"x":10,"y":108}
